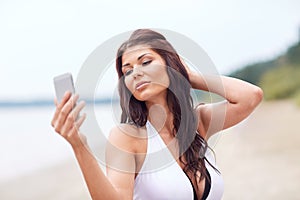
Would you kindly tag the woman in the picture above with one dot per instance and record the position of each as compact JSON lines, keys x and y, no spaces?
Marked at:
{"x":157,"y":114}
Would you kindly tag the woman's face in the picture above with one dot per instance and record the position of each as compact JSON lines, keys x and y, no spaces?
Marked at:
{"x":145,"y":73}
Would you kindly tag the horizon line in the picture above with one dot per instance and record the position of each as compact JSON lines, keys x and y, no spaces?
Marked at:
{"x":47,"y":102}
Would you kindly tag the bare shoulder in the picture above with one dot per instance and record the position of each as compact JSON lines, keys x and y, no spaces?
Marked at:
{"x":127,"y":137}
{"x":120,"y":157}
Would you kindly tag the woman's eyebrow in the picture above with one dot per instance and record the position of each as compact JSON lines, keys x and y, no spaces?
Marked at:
{"x":125,"y":65}
{"x":140,"y":57}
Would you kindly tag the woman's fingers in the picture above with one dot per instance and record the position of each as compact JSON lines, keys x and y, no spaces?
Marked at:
{"x":72,"y":117}
{"x":73,"y":134}
{"x":75,"y":128}
{"x":67,"y":120}
{"x":59,"y":106}
{"x":64,"y":100}
{"x":80,"y":120}
{"x":64,"y":112}
{"x":77,"y":109}
{"x":55,"y":114}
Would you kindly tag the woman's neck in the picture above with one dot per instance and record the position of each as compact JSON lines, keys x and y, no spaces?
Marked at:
{"x":160,"y":117}
{"x":159,"y":114}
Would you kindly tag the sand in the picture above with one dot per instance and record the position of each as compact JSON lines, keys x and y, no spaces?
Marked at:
{"x":259,"y":159}
{"x":60,"y":182}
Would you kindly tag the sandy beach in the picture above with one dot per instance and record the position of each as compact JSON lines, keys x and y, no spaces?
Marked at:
{"x":258,"y":159}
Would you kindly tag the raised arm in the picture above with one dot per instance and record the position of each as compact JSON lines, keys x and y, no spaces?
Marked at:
{"x":241,"y":98}
{"x":99,"y":186}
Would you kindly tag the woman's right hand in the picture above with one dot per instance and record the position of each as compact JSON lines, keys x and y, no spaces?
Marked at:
{"x":66,"y":121}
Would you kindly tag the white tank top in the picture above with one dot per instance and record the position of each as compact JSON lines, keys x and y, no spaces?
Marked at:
{"x":161,"y":177}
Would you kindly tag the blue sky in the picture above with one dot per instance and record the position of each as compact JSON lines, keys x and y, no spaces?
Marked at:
{"x":40,"y":39}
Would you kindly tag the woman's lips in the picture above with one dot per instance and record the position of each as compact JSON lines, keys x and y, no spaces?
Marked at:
{"x":141,"y":85}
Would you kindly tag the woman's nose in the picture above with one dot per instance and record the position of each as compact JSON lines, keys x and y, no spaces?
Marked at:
{"x":137,"y":71}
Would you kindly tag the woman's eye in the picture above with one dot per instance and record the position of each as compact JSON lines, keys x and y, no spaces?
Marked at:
{"x":128,"y":72}
{"x":146,"y":62}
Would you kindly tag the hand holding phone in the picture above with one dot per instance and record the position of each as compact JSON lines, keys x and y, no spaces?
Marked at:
{"x":64,"y":127}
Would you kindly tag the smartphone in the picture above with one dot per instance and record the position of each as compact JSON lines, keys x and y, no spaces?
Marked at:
{"x":62,"y":83}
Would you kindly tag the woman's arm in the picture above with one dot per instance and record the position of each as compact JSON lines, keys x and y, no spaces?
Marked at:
{"x":241,"y":98}
{"x":98,"y":184}
{"x":100,"y":187}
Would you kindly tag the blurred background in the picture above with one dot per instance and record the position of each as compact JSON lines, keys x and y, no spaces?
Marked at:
{"x":257,"y":41}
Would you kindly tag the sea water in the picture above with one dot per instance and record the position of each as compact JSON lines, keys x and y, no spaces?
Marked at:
{"x":28,"y":141}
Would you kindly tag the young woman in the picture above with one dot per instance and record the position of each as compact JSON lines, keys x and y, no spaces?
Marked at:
{"x":158,"y":114}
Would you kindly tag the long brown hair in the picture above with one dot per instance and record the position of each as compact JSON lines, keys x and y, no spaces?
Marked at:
{"x":192,"y":146}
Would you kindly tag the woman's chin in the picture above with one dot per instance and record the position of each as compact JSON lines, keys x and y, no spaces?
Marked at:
{"x":142,"y":97}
